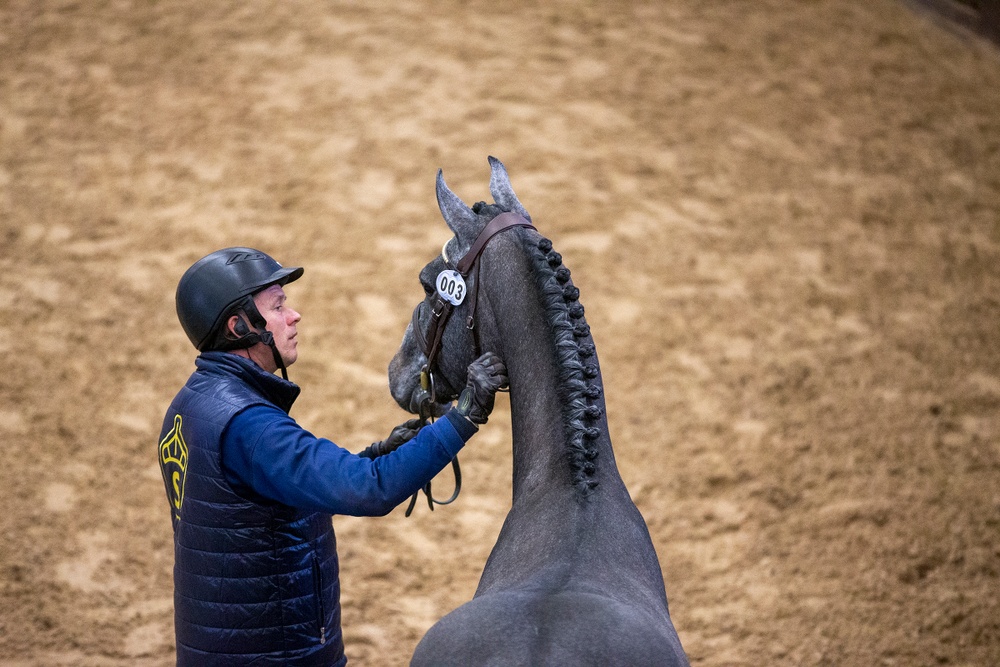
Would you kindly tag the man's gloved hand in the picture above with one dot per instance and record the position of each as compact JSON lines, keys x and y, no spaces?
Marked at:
{"x":487,"y":374}
{"x":402,"y":433}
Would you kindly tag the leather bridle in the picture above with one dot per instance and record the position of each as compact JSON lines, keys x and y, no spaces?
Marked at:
{"x":430,"y":341}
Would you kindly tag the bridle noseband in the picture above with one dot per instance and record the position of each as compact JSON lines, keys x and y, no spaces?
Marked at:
{"x":430,"y":341}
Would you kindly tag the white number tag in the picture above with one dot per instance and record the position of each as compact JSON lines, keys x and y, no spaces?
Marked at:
{"x":451,"y":287}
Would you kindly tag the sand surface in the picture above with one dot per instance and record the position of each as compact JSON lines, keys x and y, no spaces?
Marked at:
{"x":784,"y":219}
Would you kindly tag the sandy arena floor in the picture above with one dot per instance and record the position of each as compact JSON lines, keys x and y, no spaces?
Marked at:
{"x":784,"y":218}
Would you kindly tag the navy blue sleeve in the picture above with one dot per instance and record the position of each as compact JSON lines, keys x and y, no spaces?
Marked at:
{"x":265,"y":450}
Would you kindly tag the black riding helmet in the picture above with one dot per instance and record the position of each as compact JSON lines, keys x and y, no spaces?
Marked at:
{"x":220,"y":285}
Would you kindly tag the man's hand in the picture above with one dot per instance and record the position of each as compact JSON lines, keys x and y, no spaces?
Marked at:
{"x":402,"y":433}
{"x":487,"y":375}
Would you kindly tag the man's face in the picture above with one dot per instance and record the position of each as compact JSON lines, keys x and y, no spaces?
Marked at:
{"x":281,"y":321}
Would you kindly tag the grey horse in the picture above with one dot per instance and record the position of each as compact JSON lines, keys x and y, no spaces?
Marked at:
{"x":573,"y":578}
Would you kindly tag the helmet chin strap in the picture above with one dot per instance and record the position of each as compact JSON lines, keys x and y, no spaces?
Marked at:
{"x":256,"y":332}
{"x":267,"y":338}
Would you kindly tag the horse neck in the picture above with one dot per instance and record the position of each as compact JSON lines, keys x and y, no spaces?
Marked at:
{"x":561,"y":444}
{"x":567,"y":526}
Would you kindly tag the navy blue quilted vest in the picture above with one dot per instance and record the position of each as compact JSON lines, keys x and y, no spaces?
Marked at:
{"x":255,"y":582}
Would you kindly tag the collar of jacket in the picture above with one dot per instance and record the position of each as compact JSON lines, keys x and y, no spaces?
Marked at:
{"x":275,"y":389}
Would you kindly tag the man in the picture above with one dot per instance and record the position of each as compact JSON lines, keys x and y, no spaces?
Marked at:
{"x":256,"y":576}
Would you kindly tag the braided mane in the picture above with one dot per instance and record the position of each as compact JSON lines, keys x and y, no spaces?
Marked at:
{"x":579,"y":384}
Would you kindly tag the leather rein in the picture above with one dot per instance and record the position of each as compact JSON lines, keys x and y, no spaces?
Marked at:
{"x":430,"y":341}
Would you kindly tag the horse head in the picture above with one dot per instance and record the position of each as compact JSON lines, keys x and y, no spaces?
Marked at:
{"x":413,"y":375}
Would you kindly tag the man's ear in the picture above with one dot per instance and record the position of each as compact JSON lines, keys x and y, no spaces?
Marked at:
{"x":237,"y":327}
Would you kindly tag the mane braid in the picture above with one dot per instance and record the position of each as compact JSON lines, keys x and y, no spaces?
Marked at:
{"x":576,"y":361}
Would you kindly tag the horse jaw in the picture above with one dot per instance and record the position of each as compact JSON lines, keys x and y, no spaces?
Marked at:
{"x":502,"y":191}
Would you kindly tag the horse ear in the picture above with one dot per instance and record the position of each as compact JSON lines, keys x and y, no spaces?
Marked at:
{"x":460,"y":218}
{"x":503,"y":193}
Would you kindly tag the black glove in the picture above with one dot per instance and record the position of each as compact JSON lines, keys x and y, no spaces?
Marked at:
{"x":487,"y":374}
{"x":402,"y":433}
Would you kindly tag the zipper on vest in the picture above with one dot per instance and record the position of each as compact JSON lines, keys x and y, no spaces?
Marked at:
{"x":318,"y":584}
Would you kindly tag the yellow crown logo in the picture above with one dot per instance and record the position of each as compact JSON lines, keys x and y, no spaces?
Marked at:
{"x":173,"y":464}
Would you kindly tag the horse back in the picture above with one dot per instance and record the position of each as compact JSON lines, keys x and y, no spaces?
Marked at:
{"x":531,"y":627}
